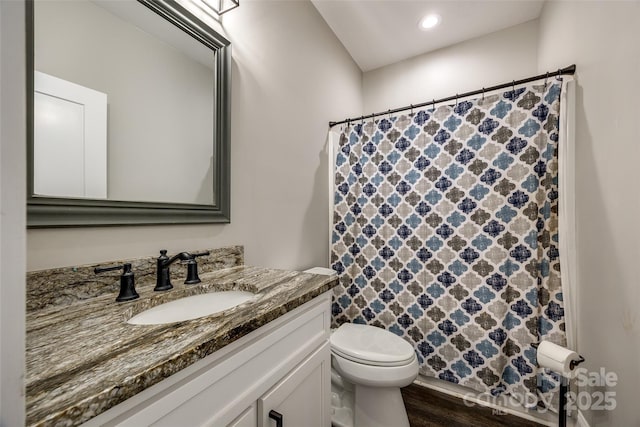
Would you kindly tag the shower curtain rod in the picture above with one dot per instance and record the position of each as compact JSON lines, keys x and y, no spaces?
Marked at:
{"x":571,"y":69}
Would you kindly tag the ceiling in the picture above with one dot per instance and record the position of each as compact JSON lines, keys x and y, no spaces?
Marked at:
{"x":381,"y":32}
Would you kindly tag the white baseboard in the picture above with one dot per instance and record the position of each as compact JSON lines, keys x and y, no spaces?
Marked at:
{"x":581,"y":421}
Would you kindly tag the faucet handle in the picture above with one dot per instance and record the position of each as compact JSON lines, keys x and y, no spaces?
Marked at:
{"x":127,"y":281}
{"x":163,"y":279}
{"x":192,"y":269}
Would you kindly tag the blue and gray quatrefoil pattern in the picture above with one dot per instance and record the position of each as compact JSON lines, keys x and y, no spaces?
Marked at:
{"x":446,"y":233}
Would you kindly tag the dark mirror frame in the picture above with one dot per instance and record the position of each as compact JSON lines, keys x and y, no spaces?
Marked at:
{"x":60,"y":212}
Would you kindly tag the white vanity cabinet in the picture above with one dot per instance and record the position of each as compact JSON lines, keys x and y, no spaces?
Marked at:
{"x":300,"y":398}
{"x":283,"y":366}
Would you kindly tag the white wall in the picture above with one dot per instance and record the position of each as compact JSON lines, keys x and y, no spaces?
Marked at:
{"x":601,"y":37}
{"x":482,"y":62}
{"x":290,"y":77}
{"x":12,"y":211}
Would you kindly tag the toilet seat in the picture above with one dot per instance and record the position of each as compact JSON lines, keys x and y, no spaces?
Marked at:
{"x":375,"y":376}
{"x":371,"y":346}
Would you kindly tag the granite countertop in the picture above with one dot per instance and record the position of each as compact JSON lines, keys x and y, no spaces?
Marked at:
{"x":83,"y":359}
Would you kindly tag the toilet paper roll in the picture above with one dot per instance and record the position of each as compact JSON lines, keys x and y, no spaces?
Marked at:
{"x":556,"y":358}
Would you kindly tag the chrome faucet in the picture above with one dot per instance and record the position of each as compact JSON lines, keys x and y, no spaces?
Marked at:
{"x":163,"y":280}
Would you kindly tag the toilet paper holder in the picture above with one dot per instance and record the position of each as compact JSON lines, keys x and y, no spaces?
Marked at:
{"x":564,"y":388}
{"x":575,"y":363}
{"x":572,"y":364}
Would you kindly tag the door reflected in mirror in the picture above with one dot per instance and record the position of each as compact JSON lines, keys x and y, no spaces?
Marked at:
{"x":70,"y":139}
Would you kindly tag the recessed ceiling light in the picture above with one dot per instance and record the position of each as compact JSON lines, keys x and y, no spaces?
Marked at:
{"x":429,"y":22}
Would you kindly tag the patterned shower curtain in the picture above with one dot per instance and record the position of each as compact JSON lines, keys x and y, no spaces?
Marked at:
{"x":445,"y":233}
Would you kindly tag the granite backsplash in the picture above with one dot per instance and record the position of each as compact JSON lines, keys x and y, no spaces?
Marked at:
{"x":69,"y":285}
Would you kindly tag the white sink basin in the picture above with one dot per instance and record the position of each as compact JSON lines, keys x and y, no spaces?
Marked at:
{"x":192,"y":307}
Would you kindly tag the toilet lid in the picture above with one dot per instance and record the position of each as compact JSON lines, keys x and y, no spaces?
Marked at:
{"x":370,"y":345}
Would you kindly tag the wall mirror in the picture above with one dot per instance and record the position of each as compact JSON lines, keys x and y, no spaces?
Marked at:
{"x":130,"y":116}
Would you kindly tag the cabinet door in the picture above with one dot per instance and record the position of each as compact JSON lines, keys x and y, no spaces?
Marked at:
{"x":302,"y":397}
{"x":249,"y":418}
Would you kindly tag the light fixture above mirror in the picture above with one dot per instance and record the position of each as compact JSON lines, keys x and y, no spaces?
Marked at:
{"x":218,"y":7}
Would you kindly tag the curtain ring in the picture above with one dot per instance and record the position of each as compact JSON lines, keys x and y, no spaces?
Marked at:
{"x":456,"y":100}
{"x":362,"y":121}
{"x":389,"y":114}
{"x":546,"y":79}
{"x":482,"y":94}
{"x":513,"y":86}
{"x":433,"y":105}
{"x":559,"y":73}
{"x":412,"y":109}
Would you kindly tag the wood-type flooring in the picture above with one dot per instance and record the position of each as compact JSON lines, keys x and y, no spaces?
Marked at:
{"x":429,"y":408}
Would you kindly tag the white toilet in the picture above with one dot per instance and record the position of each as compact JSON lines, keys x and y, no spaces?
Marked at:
{"x":369,"y":365}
